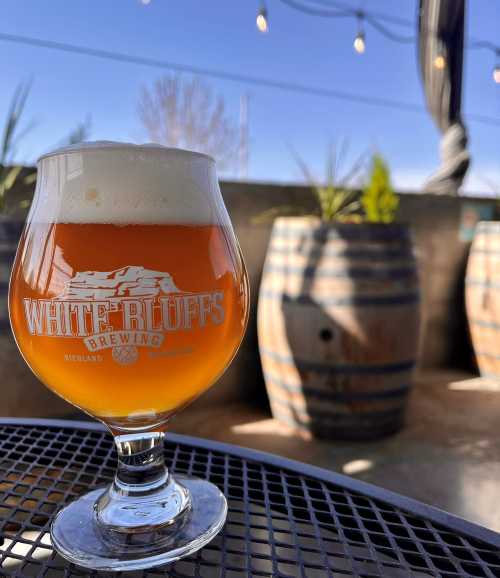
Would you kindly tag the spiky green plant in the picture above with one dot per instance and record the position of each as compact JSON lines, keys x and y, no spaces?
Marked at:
{"x":9,"y":171}
{"x":80,"y":133}
{"x":379,"y":201}
{"x":337,"y":199}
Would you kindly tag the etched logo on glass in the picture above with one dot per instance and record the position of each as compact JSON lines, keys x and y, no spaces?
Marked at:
{"x":122,"y":310}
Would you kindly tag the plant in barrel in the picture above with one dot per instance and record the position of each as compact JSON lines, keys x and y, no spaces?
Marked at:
{"x":129,"y":298}
{"x":338,"y":315}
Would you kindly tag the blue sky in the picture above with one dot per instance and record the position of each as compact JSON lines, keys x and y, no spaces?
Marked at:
{"x":221,"y":34}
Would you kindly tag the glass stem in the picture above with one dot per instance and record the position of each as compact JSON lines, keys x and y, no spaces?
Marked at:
{"x":141,"y":465}
{"x":143,"y":497}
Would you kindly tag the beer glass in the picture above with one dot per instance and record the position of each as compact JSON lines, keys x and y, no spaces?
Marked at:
{"x":129,"y":298}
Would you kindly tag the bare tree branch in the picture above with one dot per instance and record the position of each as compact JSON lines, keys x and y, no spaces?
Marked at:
{"x":185,"y":113}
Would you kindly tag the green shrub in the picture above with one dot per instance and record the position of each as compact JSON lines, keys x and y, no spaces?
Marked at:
{"x":379,"y":201}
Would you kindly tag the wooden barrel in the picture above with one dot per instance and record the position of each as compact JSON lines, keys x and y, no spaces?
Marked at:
{"x":482,"y":297}
{"x":338,"y":324}
{"x":22,"y":393}
{"x":10,"y":231}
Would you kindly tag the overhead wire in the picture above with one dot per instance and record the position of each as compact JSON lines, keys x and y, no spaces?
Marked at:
{"x":376,"y":19}
{"x":229,"y":76}
{"x":317,"y":11}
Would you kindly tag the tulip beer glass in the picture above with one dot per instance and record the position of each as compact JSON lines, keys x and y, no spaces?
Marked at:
{"x":129,"y":298}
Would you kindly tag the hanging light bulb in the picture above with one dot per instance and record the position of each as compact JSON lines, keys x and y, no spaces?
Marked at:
{"x":496,"y":69}
{"x":359,"y":43}
{"x":360,"y":39}
{"x":440,"y":62}
{"x":262,"y":19}
{"x":145,"y":2}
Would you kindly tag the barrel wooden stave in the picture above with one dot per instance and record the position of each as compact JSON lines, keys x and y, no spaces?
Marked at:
{"x":338,"y":326}
{"x":347,"y":342}
{"x":482,"y":295}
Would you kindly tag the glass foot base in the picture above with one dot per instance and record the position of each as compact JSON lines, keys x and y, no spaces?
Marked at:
{"x":78,"y":538}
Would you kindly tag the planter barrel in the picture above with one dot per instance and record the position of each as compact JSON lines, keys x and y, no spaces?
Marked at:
{"x":482,"y":297}
{"x":22,"y":393}
{"x":338,"y":325}
{"x":10,"y":231}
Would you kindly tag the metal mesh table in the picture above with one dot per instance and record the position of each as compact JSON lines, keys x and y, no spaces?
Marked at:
{"x":286,"y":519}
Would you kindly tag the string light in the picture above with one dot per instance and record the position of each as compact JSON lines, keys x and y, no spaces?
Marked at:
{"x":262,"y":19}
{"x":378,"y":21}
{"x":496,"y":69}
{"x":359,"y":41}
{"x":440,"y":62}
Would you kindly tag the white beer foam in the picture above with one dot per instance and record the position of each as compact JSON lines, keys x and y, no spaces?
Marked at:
{"x":122,"y":183}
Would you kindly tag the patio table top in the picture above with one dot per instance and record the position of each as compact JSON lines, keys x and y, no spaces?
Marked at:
{"x":286,"y":519}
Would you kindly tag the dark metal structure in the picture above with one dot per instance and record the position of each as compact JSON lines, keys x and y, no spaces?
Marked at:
{"x":286,"y":519}
{"x":441,"y":54}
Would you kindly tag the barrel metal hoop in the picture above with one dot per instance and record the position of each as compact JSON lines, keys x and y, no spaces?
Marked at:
{"x":312,"y":271}
{"x":371,"y":253}
{"x":328,"y":416}
{"x":410,"y":298}
{"x":346,"y":396}
{"x":483,"y":323}
{"x":325,"y":233}
{"x":332,"y":368}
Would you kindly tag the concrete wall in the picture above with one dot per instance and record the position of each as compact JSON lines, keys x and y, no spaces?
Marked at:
{"x":442,"y":254}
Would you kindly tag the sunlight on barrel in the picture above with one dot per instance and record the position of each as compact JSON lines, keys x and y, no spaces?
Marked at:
{"x":482,"y":296}
{"x":338,"y":326}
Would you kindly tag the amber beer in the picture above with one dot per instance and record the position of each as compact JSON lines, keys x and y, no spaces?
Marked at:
{"x":127,"y":322}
